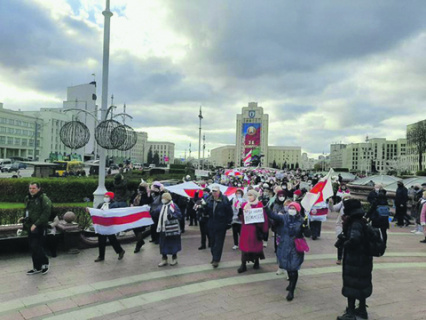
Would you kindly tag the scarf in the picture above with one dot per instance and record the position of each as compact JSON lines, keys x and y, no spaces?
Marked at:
{"x":161,"y":227}
{"x":105,"y":206}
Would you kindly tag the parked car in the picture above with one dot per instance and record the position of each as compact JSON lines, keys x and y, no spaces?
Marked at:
{"x":4,"y":162}
{"x":14,"y":167}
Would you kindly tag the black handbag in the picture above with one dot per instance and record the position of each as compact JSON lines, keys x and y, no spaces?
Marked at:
{"x":172,"y":228}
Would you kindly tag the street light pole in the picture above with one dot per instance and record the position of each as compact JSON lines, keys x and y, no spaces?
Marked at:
{"x":200,"y":116}
{"x":100,"y":191}
{"x":204,"y":148}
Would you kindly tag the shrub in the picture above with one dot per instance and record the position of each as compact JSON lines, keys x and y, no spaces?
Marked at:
{"x":11,"y":216}
{"x":421,"y":173}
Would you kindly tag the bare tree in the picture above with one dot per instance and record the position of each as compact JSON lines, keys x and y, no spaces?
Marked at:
{"x":416,"y":136}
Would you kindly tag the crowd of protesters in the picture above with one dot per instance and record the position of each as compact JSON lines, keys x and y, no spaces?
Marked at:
{"x":276,"y":196}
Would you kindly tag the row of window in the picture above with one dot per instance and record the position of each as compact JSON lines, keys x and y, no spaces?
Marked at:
{"x":19,"y":132}
{"x":18,"y":141}
{"x":18,"y":123}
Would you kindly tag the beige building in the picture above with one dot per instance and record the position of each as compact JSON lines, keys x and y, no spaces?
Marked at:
{"x":373,"y":155}
{"x":164,"y":149}
{"x":222,"y":156}
{"x":17,"y":134}
{"x":290,"y":156}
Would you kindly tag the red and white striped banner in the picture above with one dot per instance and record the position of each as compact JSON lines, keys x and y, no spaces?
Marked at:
{"x":115,"y":220}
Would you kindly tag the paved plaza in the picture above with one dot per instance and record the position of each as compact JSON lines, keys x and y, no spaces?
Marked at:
{"x":135,"y":288}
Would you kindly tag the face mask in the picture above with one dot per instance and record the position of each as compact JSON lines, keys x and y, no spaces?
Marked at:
{"x":281,"y":198}
{"x":106,"y":199}
{"x":164,"y":201}
{"x":238,"y":196}
{"x":251,"y":199}
{"x":266,"y":195}
{"x":377,"y":190}
{"x":292,"y":212}
{"x":284,"y":187}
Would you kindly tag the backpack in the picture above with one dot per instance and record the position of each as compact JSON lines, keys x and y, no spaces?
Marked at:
{"x":376,"y":247}
{"x":383,"y":211}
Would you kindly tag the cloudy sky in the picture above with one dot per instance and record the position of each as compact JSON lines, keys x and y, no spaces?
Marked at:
{"x":325,"y":71}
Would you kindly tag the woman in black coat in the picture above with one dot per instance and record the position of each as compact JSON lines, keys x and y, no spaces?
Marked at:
{"x":357,"y":263}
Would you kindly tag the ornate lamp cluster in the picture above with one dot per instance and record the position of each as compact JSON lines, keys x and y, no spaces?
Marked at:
{"x":109,"y":134}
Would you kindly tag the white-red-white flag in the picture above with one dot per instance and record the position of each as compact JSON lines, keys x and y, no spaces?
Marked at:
{"x":319,"y":193}
{"x":247,"y":159}
{"x":186,"y":189}
{"x":115,"y":220}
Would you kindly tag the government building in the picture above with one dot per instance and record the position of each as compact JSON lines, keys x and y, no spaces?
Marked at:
{"x":252,"y":138}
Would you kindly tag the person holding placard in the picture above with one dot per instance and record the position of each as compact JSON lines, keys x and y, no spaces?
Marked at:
{"x":254,"y":226}
{"x":292,"y":226}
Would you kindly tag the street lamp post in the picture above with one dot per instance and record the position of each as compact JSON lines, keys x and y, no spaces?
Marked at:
{"x":200,"y":116}
{"x":204,"y":148}
{"x":100,"y":191}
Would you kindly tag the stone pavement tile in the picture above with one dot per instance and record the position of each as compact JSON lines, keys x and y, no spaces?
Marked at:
{"x":12,"y":316}
{"x":61,"y":305}
{"x":85,"y":299}
{"x":37,"y":311}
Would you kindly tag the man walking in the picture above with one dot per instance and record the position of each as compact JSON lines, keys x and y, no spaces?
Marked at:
{"x":35,"y":221}
{"x":401,"y":199}
{"x":220,"y":214}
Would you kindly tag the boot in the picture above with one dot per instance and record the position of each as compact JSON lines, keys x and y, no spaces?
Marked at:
{"x":361,"y":312}
{"x":174,"y":262}
{"x":163,"y":262}
{"x":292,"y":286}
{"x":348,"y":315}
{"x":242,"y":268}
{"x":256,"y":264}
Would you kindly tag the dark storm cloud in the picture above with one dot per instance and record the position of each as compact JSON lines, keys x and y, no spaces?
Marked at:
{"x":29,"y":37}
{"x":250,"y":38}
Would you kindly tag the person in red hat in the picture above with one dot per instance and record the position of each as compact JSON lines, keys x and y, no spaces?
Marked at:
{"x":108,"y":204}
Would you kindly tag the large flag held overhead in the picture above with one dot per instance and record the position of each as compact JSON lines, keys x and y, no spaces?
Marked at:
{"x":319,"y":193}
{"x":247,"y":159}
{"x":115,"y":220}
{"x":186,"y":189}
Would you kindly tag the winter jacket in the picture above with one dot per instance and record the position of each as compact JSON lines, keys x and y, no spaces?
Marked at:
{"x":39,"y":208}
{"x":289,"y":227}
{"x":170,"y":245}
{"x":221,"y":216}
{"x":357,"y":264}
{"x":401,"y":196}
{"x":376,"y":220}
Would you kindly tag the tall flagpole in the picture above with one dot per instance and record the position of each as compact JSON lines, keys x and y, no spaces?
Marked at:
{"x":200,"y":116}
{"x":100,"y":191}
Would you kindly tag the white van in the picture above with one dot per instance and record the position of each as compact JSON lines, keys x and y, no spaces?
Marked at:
{"x":4,"y":162}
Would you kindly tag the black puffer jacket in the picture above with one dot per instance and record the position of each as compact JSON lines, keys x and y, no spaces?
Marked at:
{"x":357,"y":264}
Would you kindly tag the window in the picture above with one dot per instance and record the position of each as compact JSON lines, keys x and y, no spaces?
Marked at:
{"x":24,"y":142}
{"x":2,"y":140}
{"x":9,"y":140}
{"x":11,"y":121}
{"x":2,"y":129}
{"x":17,"y":141}
{"x":10,"y":130}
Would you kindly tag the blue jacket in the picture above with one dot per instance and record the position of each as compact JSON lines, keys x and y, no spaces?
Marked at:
{"x":288,"y":228}
{"x":221,"y":217}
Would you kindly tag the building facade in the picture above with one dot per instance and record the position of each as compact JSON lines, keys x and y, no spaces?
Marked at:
{"x":222,"y":156}
{"x":20,"y":134}
{"x":374,"y":155}
{"x":252,"y":133}
{"x":165,"y":150}
{"x":336,"y":155}
{"x":288,"y":157}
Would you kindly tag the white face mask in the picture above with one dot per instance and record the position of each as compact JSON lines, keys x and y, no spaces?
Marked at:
{"x":281,"y":198}
{"x":239,"y":196}
{"x":164,"y":201}
{"x":377,"y":190}
{"x":106,"y":199}
{"x":292,"y":212}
